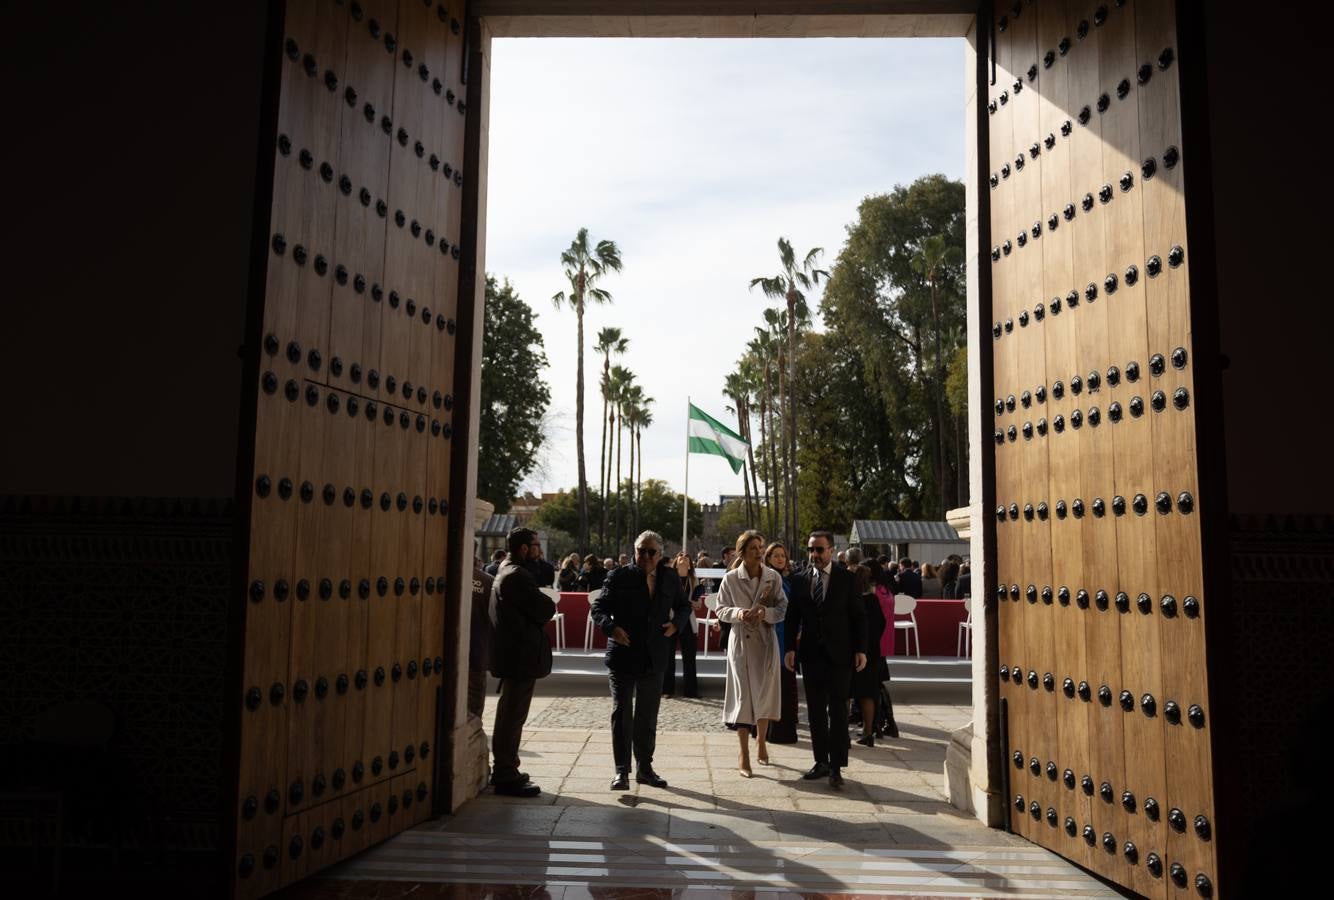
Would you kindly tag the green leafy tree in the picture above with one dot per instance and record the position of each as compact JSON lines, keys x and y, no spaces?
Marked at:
{"x":659,"y":510}
{"x":561,"y":512}
{"x":514,"y":394}
{"x":585,"y":264}
{"x":895,"y":294}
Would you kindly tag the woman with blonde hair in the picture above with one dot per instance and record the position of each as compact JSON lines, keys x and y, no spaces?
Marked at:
{"x":752,"y":600}
{"x":569,"y":573}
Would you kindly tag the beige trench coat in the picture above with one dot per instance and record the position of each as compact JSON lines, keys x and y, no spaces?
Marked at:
{"x":753,"y":668}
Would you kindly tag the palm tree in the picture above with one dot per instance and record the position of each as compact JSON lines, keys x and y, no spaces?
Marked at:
{"x":609,"y":342}
{"x":634,"y":395}
{"x":584,"y":267}
{"x":643,"y":417}
{"x":929,"y":262}
{"x":750,"y":386}
{"x":621,"y":380}
{"x":790,"y":284}
{"x":762,"y":349}
{"x":734,"y":386}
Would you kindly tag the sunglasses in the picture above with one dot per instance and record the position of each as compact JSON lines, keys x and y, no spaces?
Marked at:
{"x":647,"y":551}
{"x":818,"y":549}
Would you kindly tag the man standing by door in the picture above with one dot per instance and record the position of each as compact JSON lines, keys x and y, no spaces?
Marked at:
{"x":520,"y":654}
{"x":641,"y":607}
{"x":831,"y":623}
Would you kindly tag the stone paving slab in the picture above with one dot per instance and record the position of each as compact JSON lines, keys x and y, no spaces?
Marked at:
{"x":763,"y":831}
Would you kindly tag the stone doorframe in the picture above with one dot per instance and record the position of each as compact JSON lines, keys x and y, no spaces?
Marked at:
{"x":973,"y":762}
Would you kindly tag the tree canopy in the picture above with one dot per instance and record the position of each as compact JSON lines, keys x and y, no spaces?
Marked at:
{"x":514,"y":394}
{"x":895,"y":315}
{"x":659,"y":510}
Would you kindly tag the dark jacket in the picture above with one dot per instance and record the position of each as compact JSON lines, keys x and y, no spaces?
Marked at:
{"x":569,"y":579}
{"x":520,"y":648}
{"x":592,"y":579}
{"x":910,"y":583}
{"x":963,"y":587}
{"x":624,"y":602}
{"x":830,"y":633}
{"x":479,"y":629}
{"x":543,"y":572}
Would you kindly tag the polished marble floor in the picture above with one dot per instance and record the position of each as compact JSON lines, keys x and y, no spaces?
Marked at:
{"x":889,"y":832}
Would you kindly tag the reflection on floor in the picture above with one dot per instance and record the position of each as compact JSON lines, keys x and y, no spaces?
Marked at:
{"x":888,"y":831}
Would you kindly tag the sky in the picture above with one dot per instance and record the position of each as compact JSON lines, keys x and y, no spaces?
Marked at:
{"x":694,"y":156}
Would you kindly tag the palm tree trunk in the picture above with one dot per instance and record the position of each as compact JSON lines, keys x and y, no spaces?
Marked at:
{"x":579,"y":431}
{"x":764,"y":446}
{"x":630,"y":500}
{"x":620,"y":425}
{"x":791,"y":396}
{"x":782,"y":449}
{"x":602,"y":459}
{"x":744,"y":430}
{"x":750,"y":455}
{"x":776,"y":491}
{"x":639,"y":479}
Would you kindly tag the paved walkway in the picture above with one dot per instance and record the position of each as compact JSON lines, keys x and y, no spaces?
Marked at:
{"x":890,"y":830}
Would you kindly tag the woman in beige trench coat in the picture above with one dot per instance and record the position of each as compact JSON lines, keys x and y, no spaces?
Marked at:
{"x":752,"y":600}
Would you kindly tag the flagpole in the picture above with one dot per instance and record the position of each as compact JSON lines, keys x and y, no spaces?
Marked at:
{"x":685,"y":496}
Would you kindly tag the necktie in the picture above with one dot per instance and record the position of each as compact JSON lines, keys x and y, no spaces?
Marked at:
{"x":818,"y":590}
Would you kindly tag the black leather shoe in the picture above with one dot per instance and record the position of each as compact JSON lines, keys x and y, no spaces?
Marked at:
{"x":891,"y":730}
{"x":518,"y":788}
{"x":867,"y":740}
{"x":819,"y":770}
{"x":835,"y":777}
{"x":650,"y":777}
{"x":521,"y":777}
{"x":621,"y":782}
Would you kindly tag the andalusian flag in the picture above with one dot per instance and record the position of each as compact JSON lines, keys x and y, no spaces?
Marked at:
{"x":705,"y":434}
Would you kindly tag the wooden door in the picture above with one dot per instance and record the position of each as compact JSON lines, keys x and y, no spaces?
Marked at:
{"x":344,"y":600}
{"x":1099,"y":588}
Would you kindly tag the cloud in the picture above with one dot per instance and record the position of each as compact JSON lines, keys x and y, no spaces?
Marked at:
{"x":694,"y":156}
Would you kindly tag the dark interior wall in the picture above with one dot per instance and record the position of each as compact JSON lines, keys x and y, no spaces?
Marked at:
{"x":1269,"y":172}
{"x":129,"y":168}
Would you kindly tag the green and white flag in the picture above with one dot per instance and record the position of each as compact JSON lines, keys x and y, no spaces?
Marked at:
{"x":705,"y":434}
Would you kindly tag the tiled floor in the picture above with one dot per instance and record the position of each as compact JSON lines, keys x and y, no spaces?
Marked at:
{"x":889,"y":831}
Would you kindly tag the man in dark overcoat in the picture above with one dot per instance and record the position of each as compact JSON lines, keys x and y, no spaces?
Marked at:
{"x":520,"y":654}
{"x":641,"y":606}
{"x":825,"y":630}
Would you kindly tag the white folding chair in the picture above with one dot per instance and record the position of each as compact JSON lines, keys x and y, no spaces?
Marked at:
{"x":904,"y":606}
{"x":588,"y":627}
{"x":965,"y":645}
{"x":710,"y":619}
{"x":558,"y":618}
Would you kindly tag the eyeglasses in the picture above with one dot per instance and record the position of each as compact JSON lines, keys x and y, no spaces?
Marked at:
{"x":817,"y":550}
{"x":647,"y":551}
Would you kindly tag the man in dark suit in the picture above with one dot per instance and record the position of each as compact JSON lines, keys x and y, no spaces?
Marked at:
{"x":520,"y":654}
{"x":910,"y":580}
{"x":641,"y":607}
{"x":831,"y":622}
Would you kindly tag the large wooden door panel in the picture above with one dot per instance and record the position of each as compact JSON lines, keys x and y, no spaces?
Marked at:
{"x":343,"y":638}
{"x":1099,"y":574}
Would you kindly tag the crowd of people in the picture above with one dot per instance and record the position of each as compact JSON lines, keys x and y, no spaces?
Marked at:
{"x":831,"y":619}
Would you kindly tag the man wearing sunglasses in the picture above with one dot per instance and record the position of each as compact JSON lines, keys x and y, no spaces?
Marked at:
{"x":641,"y":607}
{"x":831,"y":622}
